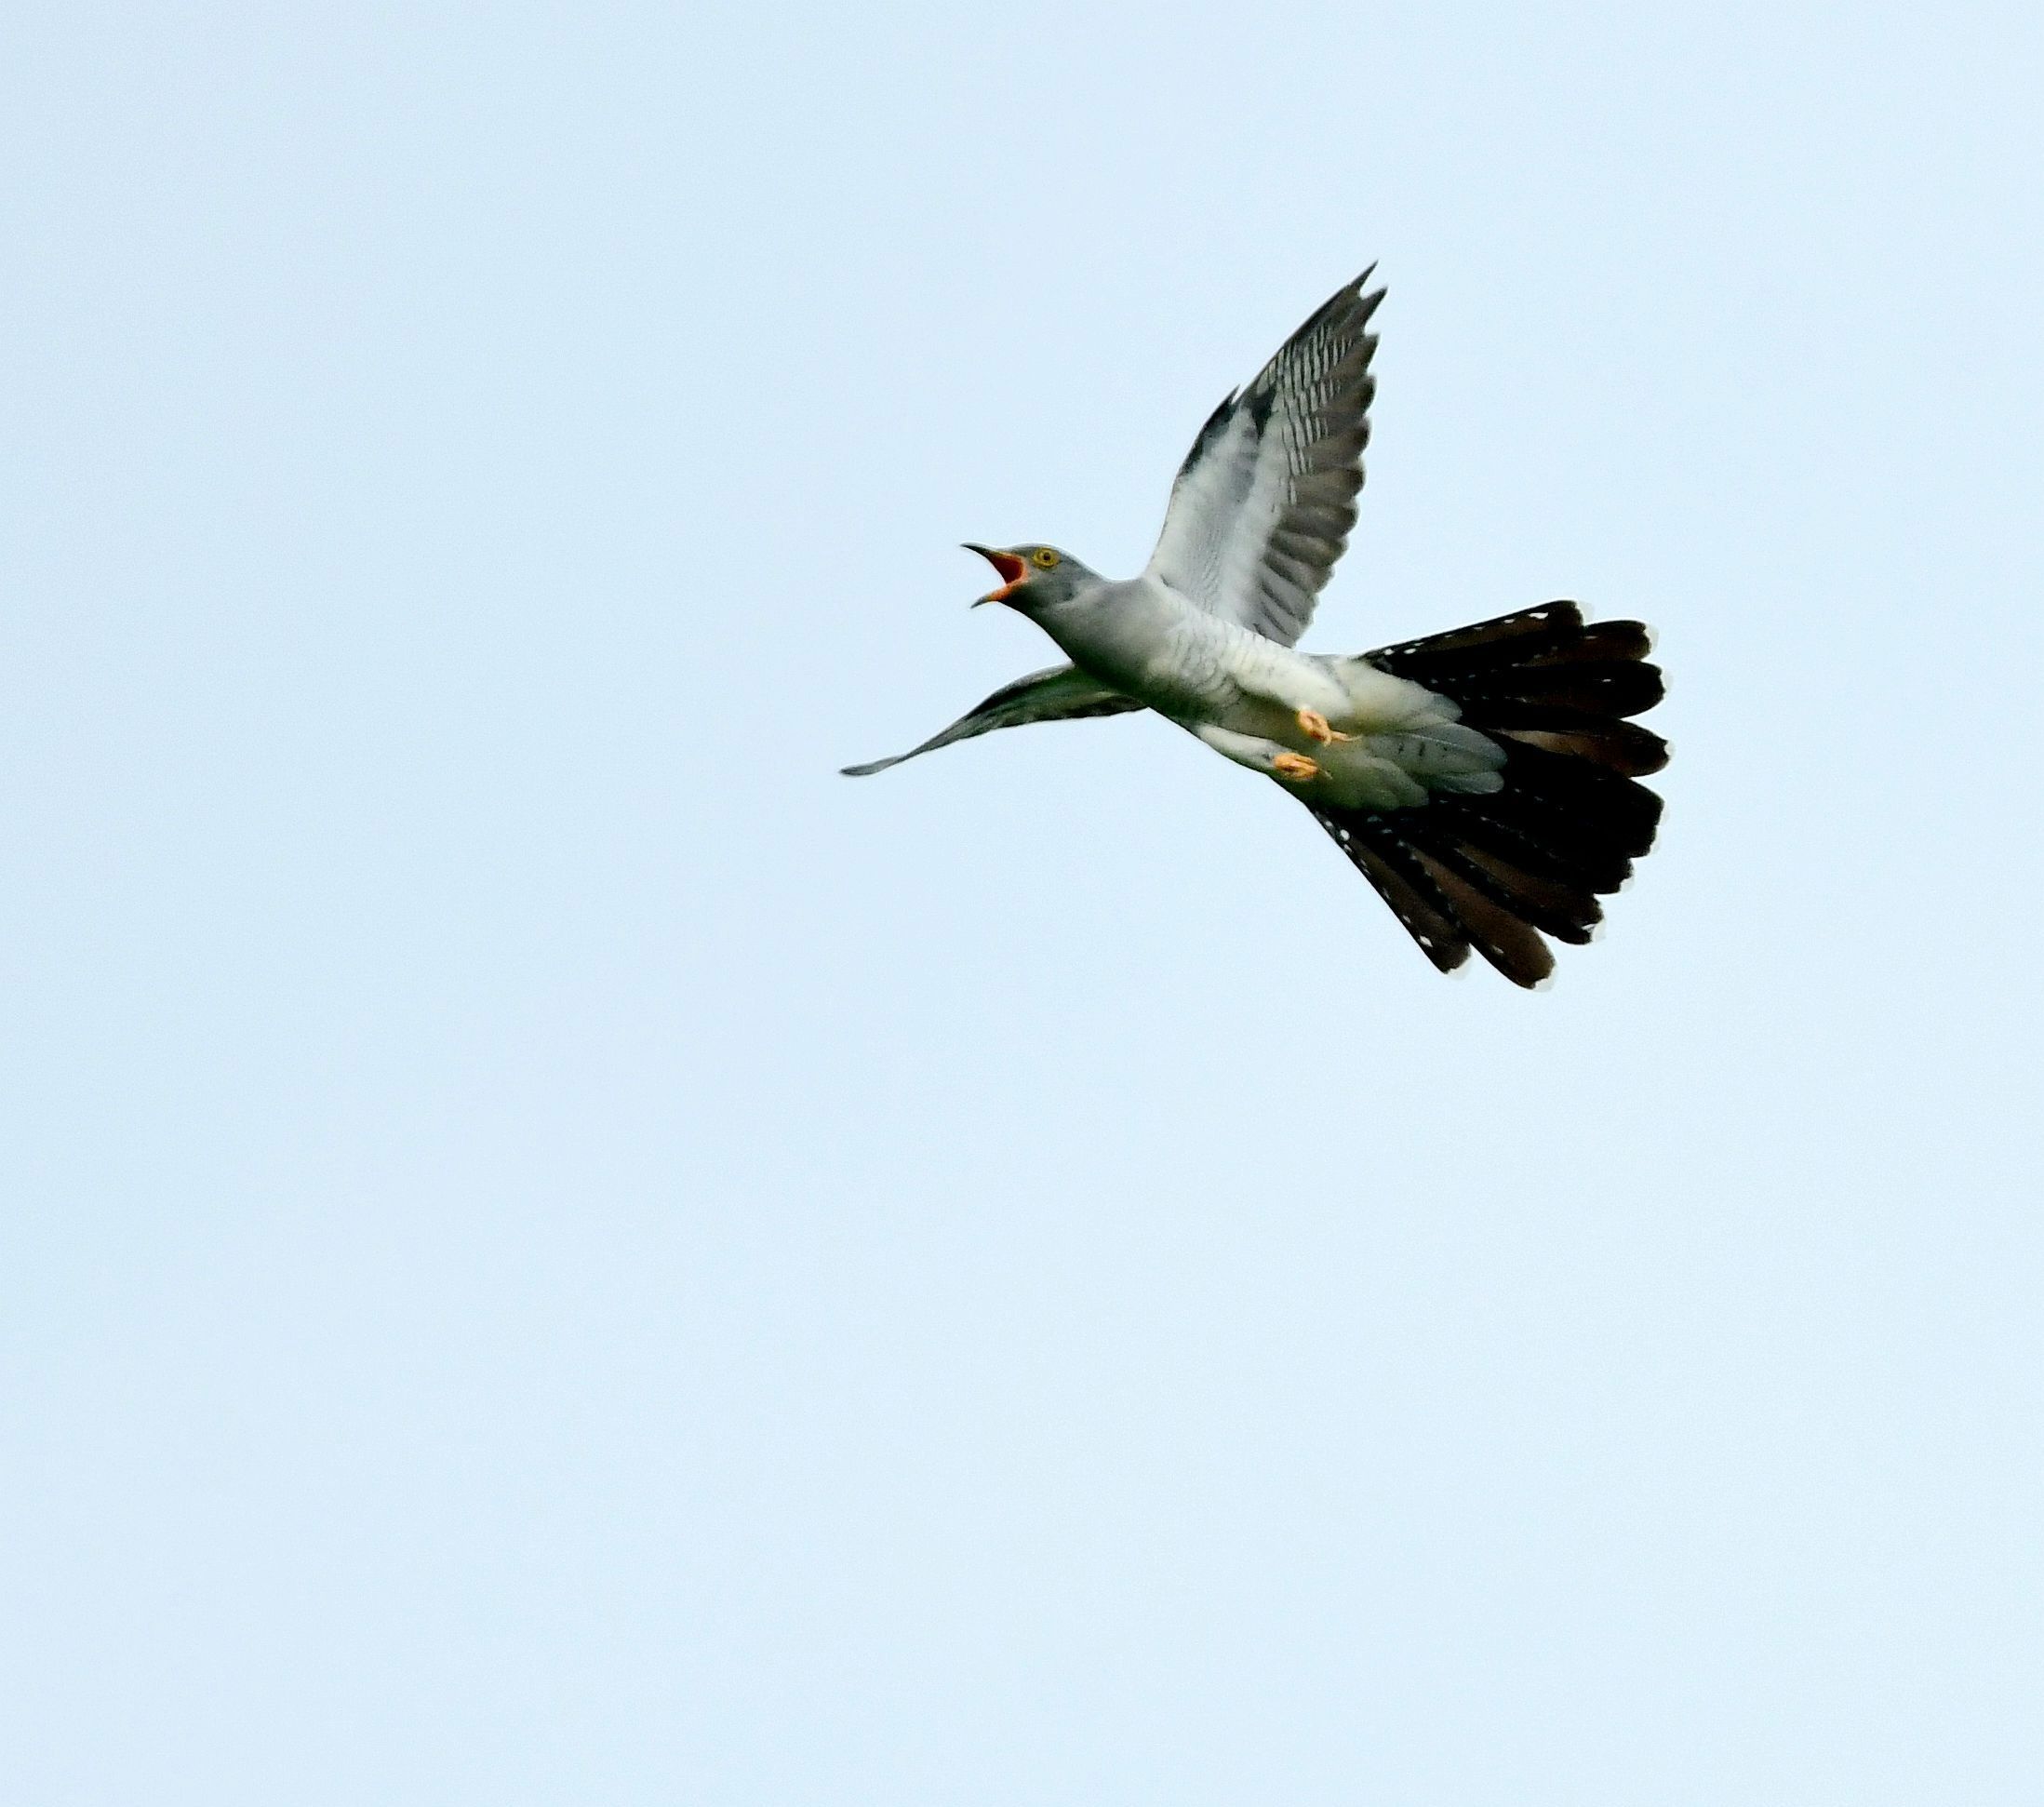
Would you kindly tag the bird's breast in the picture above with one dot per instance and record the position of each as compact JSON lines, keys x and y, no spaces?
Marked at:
{"x":1146,"y":644}
{"x":1187,"y":668}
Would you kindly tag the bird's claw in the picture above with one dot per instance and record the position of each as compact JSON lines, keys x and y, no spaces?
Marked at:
{"x":1295,"y":768}
{"x":1315,"y":726}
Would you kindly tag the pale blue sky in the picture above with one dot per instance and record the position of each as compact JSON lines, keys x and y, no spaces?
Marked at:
{"x":555,"y":1251}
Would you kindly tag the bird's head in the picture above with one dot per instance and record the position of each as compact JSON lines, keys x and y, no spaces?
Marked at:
{"x":1033,"y":577}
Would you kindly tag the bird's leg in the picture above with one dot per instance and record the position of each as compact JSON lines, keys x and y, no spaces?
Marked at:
{"x":1315,"y":727}
{"x":1259,"y":754}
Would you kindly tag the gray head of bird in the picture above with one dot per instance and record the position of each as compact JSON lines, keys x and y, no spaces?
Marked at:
{"x":1033,"y":577}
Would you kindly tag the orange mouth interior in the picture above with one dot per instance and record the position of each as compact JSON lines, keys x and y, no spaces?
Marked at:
{"x":1013,"y":571}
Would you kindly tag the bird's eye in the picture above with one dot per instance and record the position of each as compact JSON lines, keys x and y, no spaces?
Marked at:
{"x":1042,"y":557}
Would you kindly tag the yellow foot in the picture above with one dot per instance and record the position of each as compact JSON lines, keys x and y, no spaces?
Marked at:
{"x":1295,"y":768}
{"x":1314,"y":726}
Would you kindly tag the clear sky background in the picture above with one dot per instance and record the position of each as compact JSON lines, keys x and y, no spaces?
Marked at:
{"x":555,"y":1251}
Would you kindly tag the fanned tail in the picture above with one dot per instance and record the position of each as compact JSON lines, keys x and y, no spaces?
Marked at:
{"x":1496,"y":873}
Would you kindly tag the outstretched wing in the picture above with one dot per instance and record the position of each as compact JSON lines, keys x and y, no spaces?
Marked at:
{"x":1262,"y":505}
{"x":1061,"y":693}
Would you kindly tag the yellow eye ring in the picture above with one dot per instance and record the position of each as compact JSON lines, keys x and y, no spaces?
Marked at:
{"x":1043,"y":559}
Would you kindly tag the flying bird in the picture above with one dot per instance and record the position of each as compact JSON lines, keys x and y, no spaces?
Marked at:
{"x":1484,"y":780}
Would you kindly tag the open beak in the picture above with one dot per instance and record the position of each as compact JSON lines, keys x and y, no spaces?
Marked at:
{"x":1012,"y":571}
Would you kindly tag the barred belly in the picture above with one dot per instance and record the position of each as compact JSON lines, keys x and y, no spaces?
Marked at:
{"x":1191,"y":674}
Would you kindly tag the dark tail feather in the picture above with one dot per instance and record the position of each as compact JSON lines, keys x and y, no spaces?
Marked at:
{"x":1497,"y":873}
{"x":1567,"y":912}
{"x":1514,"y":946}
{"x":1383,"y":858}
{"x":1620,"y":746}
